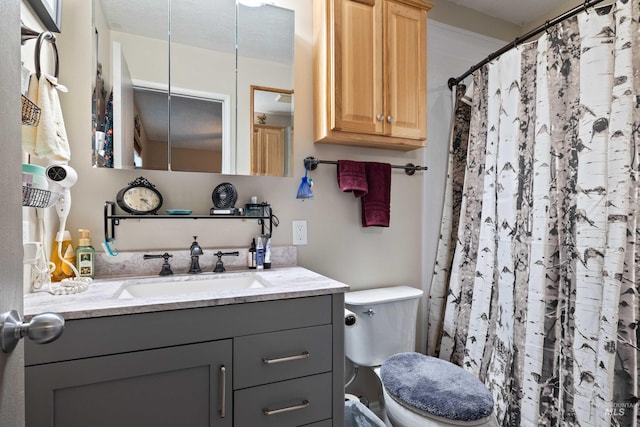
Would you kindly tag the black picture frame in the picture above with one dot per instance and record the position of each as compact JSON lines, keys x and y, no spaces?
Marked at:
{"x":49,"y":12}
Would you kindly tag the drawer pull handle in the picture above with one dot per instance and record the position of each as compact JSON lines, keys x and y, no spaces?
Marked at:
{"x":304,"y":404}
{"x":223,"y":390}
{"x":303,"y":355}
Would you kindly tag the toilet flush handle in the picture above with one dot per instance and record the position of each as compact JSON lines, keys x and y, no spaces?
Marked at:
{"x":370,"y":312}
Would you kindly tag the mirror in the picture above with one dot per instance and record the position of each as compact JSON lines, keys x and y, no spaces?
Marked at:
{"x":272,"y":131}
{"x":181,"y":100}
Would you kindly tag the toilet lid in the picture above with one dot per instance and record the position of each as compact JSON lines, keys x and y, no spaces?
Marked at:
{"x":436,"y":386}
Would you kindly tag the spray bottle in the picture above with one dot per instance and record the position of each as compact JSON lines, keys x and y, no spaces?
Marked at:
{"x":267,"y":254}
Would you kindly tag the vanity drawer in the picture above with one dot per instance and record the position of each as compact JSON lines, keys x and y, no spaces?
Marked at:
{"x":276,"y":356}
{"x":285,"y":404}
{"x":325,"y":423}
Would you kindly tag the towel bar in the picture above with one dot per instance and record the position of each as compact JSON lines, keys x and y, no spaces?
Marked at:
{"x":312,"y":163}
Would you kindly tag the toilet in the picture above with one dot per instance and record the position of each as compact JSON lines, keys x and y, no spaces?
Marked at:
{"x":418,"y":390}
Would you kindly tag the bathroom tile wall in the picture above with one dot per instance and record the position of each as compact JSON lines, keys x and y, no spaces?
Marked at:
{"x":133,"y":263}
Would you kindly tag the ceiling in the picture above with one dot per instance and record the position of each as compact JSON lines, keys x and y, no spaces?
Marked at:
{"x":518,"y":12}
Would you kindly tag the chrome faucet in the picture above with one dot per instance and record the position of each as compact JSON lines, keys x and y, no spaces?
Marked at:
{"x":195,"y":250}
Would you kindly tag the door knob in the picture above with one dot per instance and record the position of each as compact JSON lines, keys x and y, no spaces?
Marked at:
{"x":390,"y":119}
{"x":43,"y":328}
{"x":380,"y":117}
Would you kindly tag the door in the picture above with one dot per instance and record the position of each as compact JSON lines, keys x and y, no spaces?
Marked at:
{"x":11,"y":294}
{"x":122,"y":108}
{"x":358,"y":66}
{"x":267,"y":153}
{"x":405,"y":71}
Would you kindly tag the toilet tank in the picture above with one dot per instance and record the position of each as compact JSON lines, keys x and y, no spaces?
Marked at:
{"x":385,"y":323}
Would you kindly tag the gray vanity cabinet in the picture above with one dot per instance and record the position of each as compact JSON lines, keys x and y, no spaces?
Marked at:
{"x":272,"y":363}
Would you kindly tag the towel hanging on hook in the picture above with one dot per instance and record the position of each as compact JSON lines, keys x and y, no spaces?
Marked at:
{"x":49,"y":138}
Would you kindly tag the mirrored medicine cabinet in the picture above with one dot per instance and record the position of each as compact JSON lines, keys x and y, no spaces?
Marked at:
{"x":193,"y":85}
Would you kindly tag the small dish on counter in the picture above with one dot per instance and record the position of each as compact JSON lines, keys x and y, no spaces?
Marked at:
{"x":179,"y":211}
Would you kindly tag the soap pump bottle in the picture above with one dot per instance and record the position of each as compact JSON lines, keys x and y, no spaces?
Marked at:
{"x":62,"y":249}
{"x":85,"y":255}
{"x":251,"y":255}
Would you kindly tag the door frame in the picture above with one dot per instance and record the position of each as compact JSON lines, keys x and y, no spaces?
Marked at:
{"x":11,"y":288}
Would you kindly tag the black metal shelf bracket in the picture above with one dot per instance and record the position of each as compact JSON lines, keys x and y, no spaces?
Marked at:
{"x":267,"y":221}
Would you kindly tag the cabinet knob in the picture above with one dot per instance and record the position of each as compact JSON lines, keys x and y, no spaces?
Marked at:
{"x":390,"y":119}
{"x":380,"y":117}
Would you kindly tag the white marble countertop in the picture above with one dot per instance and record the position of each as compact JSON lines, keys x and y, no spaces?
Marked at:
{"x":101,"y":297}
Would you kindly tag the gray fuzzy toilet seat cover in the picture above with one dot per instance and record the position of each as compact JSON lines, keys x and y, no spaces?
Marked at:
{"x":436,"y":386}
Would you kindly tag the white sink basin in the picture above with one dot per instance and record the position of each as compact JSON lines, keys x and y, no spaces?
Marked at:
{"x":188,"y":285}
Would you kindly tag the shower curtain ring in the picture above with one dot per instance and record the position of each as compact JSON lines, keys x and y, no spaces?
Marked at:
{"x":585,"y":6}
{"x":546,"y":27}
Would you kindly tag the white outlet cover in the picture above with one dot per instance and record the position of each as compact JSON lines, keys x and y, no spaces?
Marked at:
{"x":299,"y":228}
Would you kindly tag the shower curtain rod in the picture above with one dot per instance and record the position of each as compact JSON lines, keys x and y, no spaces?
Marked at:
{"x":312,"y":163}
{"x":518,"y":40}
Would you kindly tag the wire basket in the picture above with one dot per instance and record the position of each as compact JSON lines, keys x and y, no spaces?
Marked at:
{"x":30,"y":112}
{"x":37,"y":197}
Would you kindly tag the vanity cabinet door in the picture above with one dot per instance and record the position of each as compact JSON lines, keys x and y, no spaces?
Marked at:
{"x":188,"y":385}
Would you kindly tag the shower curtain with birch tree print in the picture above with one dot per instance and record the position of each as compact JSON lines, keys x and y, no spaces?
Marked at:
{"x":541,"y":294}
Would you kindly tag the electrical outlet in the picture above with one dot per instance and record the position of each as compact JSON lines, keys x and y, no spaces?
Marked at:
{"x":299,"y":232}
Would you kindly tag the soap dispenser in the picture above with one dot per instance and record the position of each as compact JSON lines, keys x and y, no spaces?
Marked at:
{"x":62,"y":256}
{"x":251,"y":255}
{"x":85,"y":255}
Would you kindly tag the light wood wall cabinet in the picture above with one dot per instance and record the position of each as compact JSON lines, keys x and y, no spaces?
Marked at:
{"x":370,"y":73}
{"x":267,"y":152}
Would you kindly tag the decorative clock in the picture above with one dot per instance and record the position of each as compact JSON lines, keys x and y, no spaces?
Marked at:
{"x":140,"y":197}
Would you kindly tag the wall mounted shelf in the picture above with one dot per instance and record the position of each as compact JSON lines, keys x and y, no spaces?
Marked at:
{"x":112,"y":219}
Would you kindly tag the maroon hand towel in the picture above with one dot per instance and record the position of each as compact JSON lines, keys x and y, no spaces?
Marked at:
{"x":376,"y":204}
{"x":352,"y":176}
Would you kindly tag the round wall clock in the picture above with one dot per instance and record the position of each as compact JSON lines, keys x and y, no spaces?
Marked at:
{"x":139,"y":197}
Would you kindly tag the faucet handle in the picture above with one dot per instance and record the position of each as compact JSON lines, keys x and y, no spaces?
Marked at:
{"x":166,"y":268}
{"x":219,"y":265}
